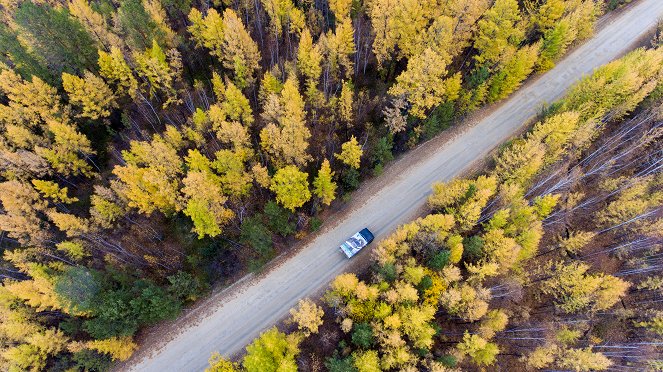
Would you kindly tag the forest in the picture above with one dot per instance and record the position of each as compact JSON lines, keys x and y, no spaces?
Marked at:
{"x":151,"y":150}
{"x":548,"y":260}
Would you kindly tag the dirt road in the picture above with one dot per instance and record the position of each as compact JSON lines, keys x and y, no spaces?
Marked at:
{"x":238,"y":315}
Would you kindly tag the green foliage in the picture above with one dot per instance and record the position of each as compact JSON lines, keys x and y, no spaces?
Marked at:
{"x":78,"y":287}
{"x":57,"y":38}
{"x":119,"y":312}
{"x":336,"y":363}
{"x":473,"y":248}
{"x":278,"y":219}
{"x":184,"y":286}
{"x":439,"y":260}
{"x":350,"y":178}
{"x":257,"y":235}
{"x":137,"y":26}
{"x":90,"y":360}
{"x":362,"y":335}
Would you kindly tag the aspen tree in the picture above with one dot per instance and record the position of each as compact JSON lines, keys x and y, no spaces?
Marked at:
{"x":157,"y":73}
{"x":498,"y":32}
{"x":90,"y":93}
{"x":324,"y":186}
{"x":114,"y":68}
{"x":309,"y":59}
{"x":95,"y":24}
{"x":240,"y":52}
{"x":118,"y":348}
{"x":286,"y":137}
{"x":425,"y":84}
{"x":291,"y":187}
{"x":351,"y":153}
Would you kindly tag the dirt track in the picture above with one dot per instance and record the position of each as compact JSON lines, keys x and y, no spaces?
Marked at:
{"x":238,"y":314}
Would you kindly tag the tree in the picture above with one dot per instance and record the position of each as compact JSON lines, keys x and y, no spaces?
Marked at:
{"x":218,"y":364}
{"x":69,"y":150}
{"x":157,"y":73}
{"x":285,"y":138}
{"x":367,"y":361}
{"x":205,"y":204}
{"x":53,"y":191}
{"x":91,"y":94}
{"x":424,"y":83}
{"x":17,"y":55}
{"x":150,"y":179}
{"x":21,"y":217}
{"x":254,"y":233}
{"x":240,"y":52}
{"x":139,"y":28}
{"x":271,"y":352}
{"x":482,"y":352}
{"x":95,"y":24}
{"x":498,"y":32}
{"x":57,"y":38}
{"x":513,"y":72}
{"x":345,"y":103}
{"x":308,"y":316}
{"x":323,"y":186}
{"x":113,"y":67}
{"x":350,"y":153}
{"x":284,"y":13}
{"x":291,"y":187}
{"x":278,"y":219}
{"x":118,"y":348}
{"x":574,"y":290}
{"x":309,"y":59}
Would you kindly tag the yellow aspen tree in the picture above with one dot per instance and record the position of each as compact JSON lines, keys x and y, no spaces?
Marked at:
{"x":208,"y":31}
{"x":218,"y":364}
{"x":337,"y":47}
{"x":119,"y":348}
{"x":574,"y":290}
{"x":340,"y":8}
{"x":235,"y":105}
{"x":21,"y":208}
{"x":153,"y":67}
{"x":307,"y":316}
{"x":323,"y":185}
{"x":53,"y":191}
{"x":291,"y":187}
{"x":350,"y":153}
{"x":424,"y":83}
{"x":285,"y":139}
{"x":309,"y":59}
{"x":513,"y":72}
{"x":240,"y":52}
{"x":231,"y":167}
{"x":346,"y":102}
{"x":158,"y":16}
{"x":260,"y":175}
{"x":114,"y":68}
{"x":149,"y":180}
{"x":94,"y":23}
{"x":91,"y":94}
{"x":31,"y":103}
{"x":498,"y":32}
{"x":482,"y":352}
{"x":284,"y":13}
{"x":549,"y":14}
{"x":205,"y":204}
{"x":67,"y":154}
{"x":68,"y":223}
{"x":464,"y":15}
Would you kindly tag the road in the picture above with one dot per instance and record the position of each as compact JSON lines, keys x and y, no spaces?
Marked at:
{"x":238,"y":316}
